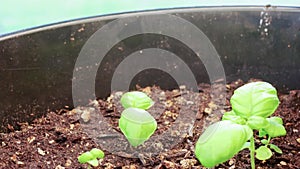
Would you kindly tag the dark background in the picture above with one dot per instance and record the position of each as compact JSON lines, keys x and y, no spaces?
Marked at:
{"x":36,"y":68}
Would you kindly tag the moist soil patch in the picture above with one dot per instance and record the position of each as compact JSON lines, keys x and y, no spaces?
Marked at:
{"x":56,"y":140}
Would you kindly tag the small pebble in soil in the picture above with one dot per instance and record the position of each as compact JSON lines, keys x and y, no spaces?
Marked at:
{"x":231,"y":161}
{"x":283,"y":163}
{"x":94,"y":103}
{"x":41,"y":152}
{"x":14,"y":157}
{"x":182,"y":87}
{"x":189,"y":102}
{"x":68,"y":163}
{"x":30,"y":139}
{"x":208,"y":110}
{"x":59,"y":167}
{"x":188,"y":163}
{"x":162,"y":96}
{"x":232,"y":167}
{"x":85,"y":116}
{"x":20,"y":163}
{"x":109,"y":165}
{"x":169,"y":164}
{"x":130,"y":167}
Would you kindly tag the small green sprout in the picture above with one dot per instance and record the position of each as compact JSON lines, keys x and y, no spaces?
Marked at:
{"x":90,"y":157}
{"x":252,"y":104}
{"x":136,"y":123}
{"x":136,"y":99}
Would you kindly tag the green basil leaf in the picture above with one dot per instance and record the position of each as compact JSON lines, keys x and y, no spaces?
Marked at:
{"x":220,"y":142}
{"x":276,"y":148}
{"x":93,"y":162}
{"x":97,"y":153}
{"x":257,"y":122}
{"x":137,"y":125}
{"x":85,"y":157}
{"x":264,"y":141}
{"x":233,"y":117}
{"x":136,"y":99}
{"x":255,"y":99}
{"x":263,"y":153}
{"x":275,"y":128}
{"x":262,"y":133}
{"x":276,"y":119}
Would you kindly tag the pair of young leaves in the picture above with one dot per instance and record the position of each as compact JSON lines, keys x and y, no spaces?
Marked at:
{"x":252,"y":104}
{"x":91,"y":157}
{"x":136,"y":123}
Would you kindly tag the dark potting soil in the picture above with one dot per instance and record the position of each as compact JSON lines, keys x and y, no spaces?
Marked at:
{"x":56,"y":140}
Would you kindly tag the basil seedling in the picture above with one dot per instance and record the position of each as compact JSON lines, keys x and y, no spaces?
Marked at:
{"x":252,"y":104}
{"x":90,"y":157}
{"x":136,"y":123}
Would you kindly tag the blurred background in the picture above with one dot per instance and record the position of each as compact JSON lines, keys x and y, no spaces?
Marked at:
{"x":16,"y":15}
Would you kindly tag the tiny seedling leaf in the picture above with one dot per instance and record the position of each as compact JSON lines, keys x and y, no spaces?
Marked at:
{"x":276,"y":148}
{"x":264,"y":141}
{"x":97,"y":153}
{"x":94,"y":162}
{"x":263,"y":153}
{"x":136,"y":99}
{"x":90,"y":157}
{"x":262,"y":133}
{"x":85,"y":157}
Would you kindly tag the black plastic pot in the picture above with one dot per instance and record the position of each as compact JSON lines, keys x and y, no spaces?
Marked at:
{"x":36,"y":66}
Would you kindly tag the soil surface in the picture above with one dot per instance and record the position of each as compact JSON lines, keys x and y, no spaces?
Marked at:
{"x":56,"y":140}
